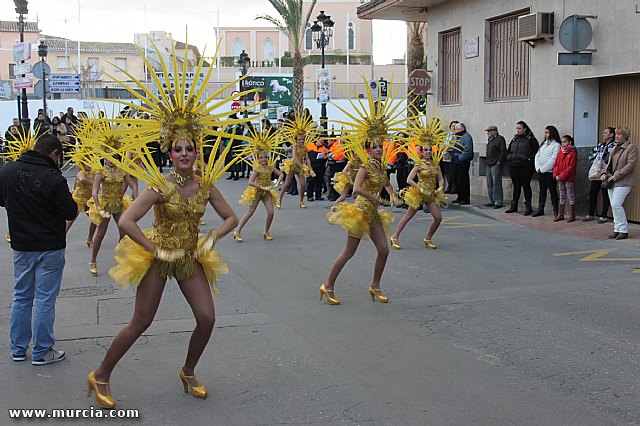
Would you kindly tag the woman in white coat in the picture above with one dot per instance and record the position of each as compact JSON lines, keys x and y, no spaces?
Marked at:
{"x":544,"y":161}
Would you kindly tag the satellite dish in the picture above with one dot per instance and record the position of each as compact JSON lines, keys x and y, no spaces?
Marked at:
{"x":575,"y":33}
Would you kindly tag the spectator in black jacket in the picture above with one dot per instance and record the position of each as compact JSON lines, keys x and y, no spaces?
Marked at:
{"x":461,"y":163}
{"x":38,"y":204}
{"x":521,"y":154}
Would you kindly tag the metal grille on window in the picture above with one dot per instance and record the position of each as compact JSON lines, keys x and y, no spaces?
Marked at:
{"x":508,"y":60}
{"x":450,"y":67}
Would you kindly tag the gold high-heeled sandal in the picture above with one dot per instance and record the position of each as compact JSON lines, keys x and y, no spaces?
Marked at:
{"x":279,"y":204}
{"x":429,"y":244}
{"x":93,"y":268}
{"x":267,"y":236}
{"x":302,"y":205}
{"x":394,"y":243}
{"x":89,"y":243}
{"x":331,"y":297}
{"x":7,"y":237}
{"x":198,"y":391}
{"x":377,"y":294}
{"x":237,"y":237}
{"x":105,"y":401}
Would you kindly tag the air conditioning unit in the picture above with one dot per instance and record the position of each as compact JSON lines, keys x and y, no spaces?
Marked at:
{"x":535,"y":26}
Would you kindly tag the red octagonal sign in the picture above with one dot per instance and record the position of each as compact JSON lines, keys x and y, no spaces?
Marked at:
{"x":419,"y":81}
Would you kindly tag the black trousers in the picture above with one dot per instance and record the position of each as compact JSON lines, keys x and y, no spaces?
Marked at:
{"x":335,"y":167}
{"x":521,"y":178}
{"x":463,"y":184}
{"x":314,"y":185}
{"x":547,"y":182}
{"x":449,"y":174}
{"x":402,"y":173}
{"x":596,"y":186}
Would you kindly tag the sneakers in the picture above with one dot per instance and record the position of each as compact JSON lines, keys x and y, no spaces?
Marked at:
{"x":602,"y":220}
{"x":50,"y":357}
{"x":18,"y":358}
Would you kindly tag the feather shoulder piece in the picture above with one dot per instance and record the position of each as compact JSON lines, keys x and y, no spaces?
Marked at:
{"x":24,"y":142}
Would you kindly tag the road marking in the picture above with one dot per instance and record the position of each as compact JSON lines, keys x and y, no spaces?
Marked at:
{"x":598,"y":256}
{"x":448,"y":223}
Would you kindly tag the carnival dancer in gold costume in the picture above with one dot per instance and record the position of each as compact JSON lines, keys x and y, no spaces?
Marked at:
{"x":172,"y":249}
{"x":262,"y":152}
{"x":428,"y":145}
{"x":109,"y":183}
{"x":300,"y":131}
{"x":365,"y":140}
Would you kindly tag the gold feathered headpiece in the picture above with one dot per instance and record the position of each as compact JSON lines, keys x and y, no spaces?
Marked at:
{"x":25,"y":141}
{"x":429,"y":131}
{"x":302,"y":125}
{"x":265,"y":141}
{"x":372,"y":121}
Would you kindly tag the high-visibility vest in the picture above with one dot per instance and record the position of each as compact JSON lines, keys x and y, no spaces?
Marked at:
{"x":391,"y":152}
{"x":337,"y":151}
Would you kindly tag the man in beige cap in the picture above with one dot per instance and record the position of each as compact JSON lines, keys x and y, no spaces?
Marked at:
{"x":496,"y":155}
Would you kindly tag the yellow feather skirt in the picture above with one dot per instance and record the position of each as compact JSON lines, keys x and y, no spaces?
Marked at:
{"x":359,"y":222}
{"x":290,"y":166}
{"x":133,"y":262}
{"x":341,"y":182}
{"x":95,"y":217}
{"x":250,"y":195}
{"x":82,"y":203}
{"x":414,"y":198}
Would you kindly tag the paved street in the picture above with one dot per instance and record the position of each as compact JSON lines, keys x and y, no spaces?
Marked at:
{"x":498,"y":326}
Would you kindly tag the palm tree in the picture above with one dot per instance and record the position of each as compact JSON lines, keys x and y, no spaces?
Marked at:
{"x":293,"y":21}
{"x":415,"y":57}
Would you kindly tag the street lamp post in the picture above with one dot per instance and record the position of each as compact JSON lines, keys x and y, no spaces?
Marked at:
{"x":21,"y":10}
{"x":42,"y":52}
{"x":322,"y":30}
{"x":244,"y":62}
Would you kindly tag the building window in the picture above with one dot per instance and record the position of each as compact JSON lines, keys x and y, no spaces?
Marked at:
{"x":93,"y":68}
{"x":62,"y":63}
{"x":238,"y":47}
{"x":268,"y":50}
{"x":12,"y":72}
{"x":450,"y":67}
{"x":308,"y":38}
{"x":121,"y":63}
{"x":351,"y":36}
{"x":508,"y":66}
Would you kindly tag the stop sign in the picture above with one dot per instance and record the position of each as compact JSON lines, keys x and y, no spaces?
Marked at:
{"x":235,"y":105}
{"x":419,"y":81}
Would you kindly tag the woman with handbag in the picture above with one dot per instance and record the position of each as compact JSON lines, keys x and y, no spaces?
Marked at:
{"x":618,"y":179}
{"x":599,"y":157}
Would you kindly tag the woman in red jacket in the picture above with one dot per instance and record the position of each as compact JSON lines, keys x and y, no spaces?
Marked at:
{"x":564,"y":172}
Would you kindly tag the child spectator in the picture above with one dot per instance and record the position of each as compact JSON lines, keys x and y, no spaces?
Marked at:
{"x":564,"y":172}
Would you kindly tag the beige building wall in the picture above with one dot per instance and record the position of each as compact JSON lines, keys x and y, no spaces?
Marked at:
{"x":7,"y":40}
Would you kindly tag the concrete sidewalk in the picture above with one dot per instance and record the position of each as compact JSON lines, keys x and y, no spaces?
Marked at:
{"x":591,"y":230}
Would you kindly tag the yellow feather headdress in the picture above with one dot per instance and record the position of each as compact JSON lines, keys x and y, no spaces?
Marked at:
{"x":25,"y":141}
{"x":301,"y":125}
{"x":182,"y":111}
{"x":372,"y":121}
{"x":429,"y":131}
{"x":265,"y":141}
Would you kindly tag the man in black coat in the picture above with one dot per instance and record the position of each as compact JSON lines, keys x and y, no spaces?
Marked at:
{"x":38,"y":204}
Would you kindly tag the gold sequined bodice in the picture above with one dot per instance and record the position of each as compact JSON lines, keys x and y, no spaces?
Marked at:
{"x":427,"y":175}
{"x":264,"y":177}
{"x":353,"y":170}
{"x":300,"y":153}
{"x":373,"y":183}
{"x":83,"y":190}
{"x":176,"y":220}
{"x":112,"y":186}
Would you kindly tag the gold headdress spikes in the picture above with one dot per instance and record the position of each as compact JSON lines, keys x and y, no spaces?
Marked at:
{"x":265,"y":141}
{"x":429,"y":132}
{"x":25,"y":142}
{"x":301,"y":125}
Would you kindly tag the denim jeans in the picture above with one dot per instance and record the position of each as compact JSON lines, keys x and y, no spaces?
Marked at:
{"x":494,"y":184}
{"x":617,"y":196}
{"x":37,"y":275}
